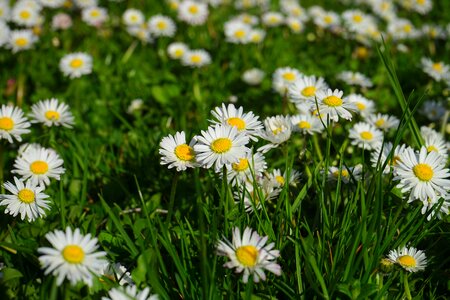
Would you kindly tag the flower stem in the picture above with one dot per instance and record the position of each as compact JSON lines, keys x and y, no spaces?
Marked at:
{"x":407,"y":291}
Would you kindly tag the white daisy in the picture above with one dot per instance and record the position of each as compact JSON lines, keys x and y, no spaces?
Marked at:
{"x":423,"y":175}
{"x":4,"y":33}
{"x":73,"y":256}
{"x":20,"y":40}
{"x":61,"y":21}
{"x":135,"y":106}
{"x":283,"y":77}
{"x":246,"y":123}
{"x":25,"y":15}
{"x":436,"y":70}
{"x":279,"y":180}
{"x":402,"y":29}
{"x":160,"y":25}
{"x":250,"y":254}
{"x":295,"y":24}
{"x":356,"y":20}
{"x":248,"y":167}
{"x":365,"y":136}
{"x":39,"y":164}
{"x":176,"y":153}
{"x":75,"y":65}
{"x":332,"y":105}
{"x":327,"y":20}
{"x":433,"y":110}
{"x":421,"y":6}
{"x":118,"y":273}
{"x":141,"y":32}
{"x":306,"y":124}
{"x":410,"y":259}
{"x":346,"y":174}
{"x":4,"y":10}
{"x":133,"y":17}
{"x":51,"y":112}
{"x":177,"y":50}
{"x":363,"y":105}
{"x":355,"y":78}
{"x":196,"y":58}
{"x":192,"y":12}
{"x":237,"y":32}
{"x":383,"y":122}
{"x":86,"y":3}
{"x":257,"y":35}
{"x":434,"y":141}
{"x":272,"y":18}
{"x":305,"y":89}
{"x":130,"y":292}
{"x":94,"y":16}
{"x":253,"y":76}
{"x":52,"y":3}
{"x":12,"y":123}
{"x":430,"y":207}
{"x":381,"y":154}
{"x":247,"y":19}
{"x":27,"y":199}
{"x":277,"y":130}
{"x":220,"y":145}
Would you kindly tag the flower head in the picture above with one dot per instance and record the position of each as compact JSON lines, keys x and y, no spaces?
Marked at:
{"x":75,"y":65}
{"x":175,"y":152}
{"x":51,"y":112}
{"x":410,"y":259}
{"x":12,"y":123}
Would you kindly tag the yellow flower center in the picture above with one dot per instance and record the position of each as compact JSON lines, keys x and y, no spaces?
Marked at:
{"x":332,"y":101}
{"x":246,"y":19}
{"x":6,"y":124}
{"x":26,"y":196}
{"x":52,"y":115}
{"x":328,"y":19}
{"x":406,"y":261}
{"x":437,"y":67}
{"x":289,"y":76}
{"x":357,"y":18}
{"x":237,"y":122}
{"x":221,"y":145}
{"x":361,"y":106}
{"x":161,"y":25}
{"x":73,"y":254}
{"x":344,"y":173}
{"x":24,"y":14}
{"x":21,"y":42}
{"x":179,"y":52}
{"x":380,"y":122}
{"x":247,"y":255}
{"x":184,"y":152}
{"x":304,"y":125}
{"x":273,"y":20}
{"x":432,"y":148}
{"x":239,"y":33}
{"x":366,"y":135}
{"x":280,"y":179}
{"x":421,"y":2}
{"x":309,"y":91}
{"x":76,"y":63}
{"x":193,"y":9}
{"x":196,"y":58}
{"x":95,"y":13}
{"x":134,"y":18}
{"x":277,"y":130}
{"x":362,"y":52}
{"x":39,"y":167}
{"x":407,"y":28}
{"x":242,"y":165}
{"x":395,"y":160}
{"x":423,"y":171}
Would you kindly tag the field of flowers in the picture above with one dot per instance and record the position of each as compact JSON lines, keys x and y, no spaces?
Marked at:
{"x":224,"y":149}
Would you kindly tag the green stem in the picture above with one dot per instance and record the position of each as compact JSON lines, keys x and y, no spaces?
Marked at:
{"x":173,"y":191}
{"x":407,"y":291}
{"x":2,"y":163}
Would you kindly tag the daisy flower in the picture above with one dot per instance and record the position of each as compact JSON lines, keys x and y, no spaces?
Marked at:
{"x":160,"y":25}
{"x":402,"y":29}
{"x":253,"y":76}
{"x":331,"y":105}
{"x":135,"y":106}
{"x":196,"y":58}
{"x":255,"y":192}
{"x":133,"y":17}
{"x":363,"y":105}
{"x":251,"y":165}
{"x":75,"y":65}
{"x":39,"y":164}
{"x":220,"y":145}
{"x":25,"y":15}
{"x":94,"y":16}
{"x":50,"y":112}
{"x":176,"y":153}
{"x":295,"y":24}
{"x":237,"y":32}
{"x":27,"y":199}
{"x":4,"y":10}
{"x":250,"y":254}
{"x":381,"y":154}
{"x":305,"y":88}
{"x":365,"y":136}
{"x":433,"y":31}
{"x":257,"y":36}
{"x":383,"y":122}
{"x":20,"y":40}
{"x":12,"y":123}
{"x":293,"y":9}
{"x":355,"y":78}
{"x":52,"y":3}
{"x":130,"y":292}
{"x":141,"y":32}
{"x":86,"y":3}
{"x":193,"y":13}
{"x":306,"y":124}
{"x":345,"y":174}
{"x":279,"y":180}
{"x":283,"y":78}
{"x":246,"y":123}
{"x":177,"y":50}
{"x":72,"y":256}
{"x":421,"y":6}
{"x":327,"y":20}
{"x":423,"y":175}
{"x":247,"y":19}
{"x":4,"y":32}
{"x":434,"y":141}
{"x":272,"y":18}
{"x":277,"y":130}
{"x":61,"y":21}
{"x":433,"y":110}
{"x":410,"y":259}
{"x":436,"y":70}
{"x":118,"y":273}
{"x":357,"y":21}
